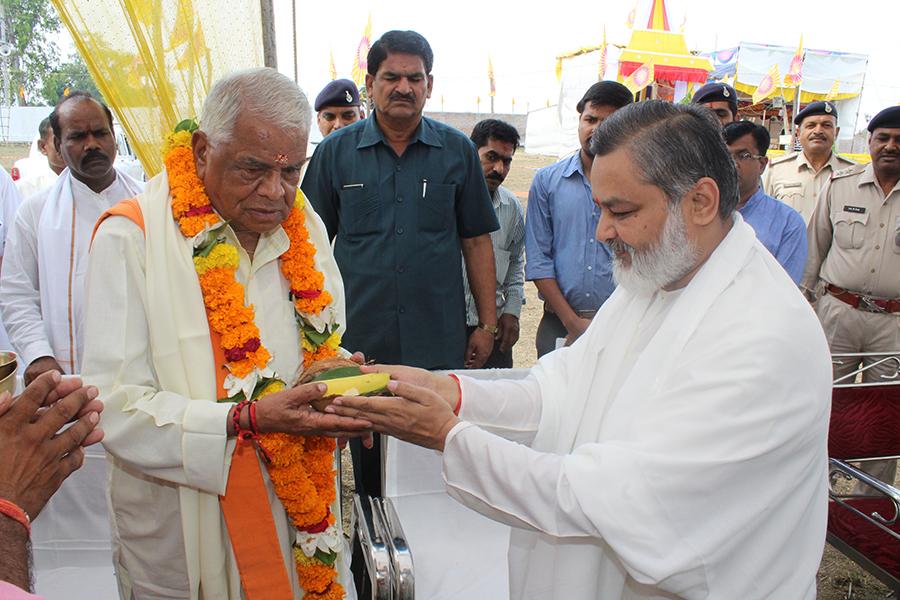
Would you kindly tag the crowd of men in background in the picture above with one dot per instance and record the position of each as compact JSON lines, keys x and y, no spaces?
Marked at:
{"x":434,"y":251}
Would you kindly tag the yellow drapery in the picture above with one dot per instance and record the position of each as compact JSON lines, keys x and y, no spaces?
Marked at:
{"x":154,"y":61}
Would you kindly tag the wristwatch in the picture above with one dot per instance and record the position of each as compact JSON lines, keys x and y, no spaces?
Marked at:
{"x":491,"y":329}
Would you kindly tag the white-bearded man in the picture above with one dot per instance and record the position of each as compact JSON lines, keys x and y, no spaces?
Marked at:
{"x":678,"y":448}
{"x":218,"y":284}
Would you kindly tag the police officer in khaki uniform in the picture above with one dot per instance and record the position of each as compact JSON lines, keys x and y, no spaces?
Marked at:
{"x":797,"y":178}
{"x":854,"y":256}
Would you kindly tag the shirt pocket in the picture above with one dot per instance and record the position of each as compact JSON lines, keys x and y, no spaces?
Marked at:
{"x":850,"y":230}
{"x":436,"y":208}
{"x":360,"y":212}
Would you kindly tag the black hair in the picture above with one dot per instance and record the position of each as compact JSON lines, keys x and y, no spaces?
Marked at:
{"x":494,"y":128}
{"x":606,"y":93}
{"x":400,"y":42}
{"x":738,"y":129}
{"x":44,"y":127}
{"x":77,"y":95}
{"x":673,"y":146}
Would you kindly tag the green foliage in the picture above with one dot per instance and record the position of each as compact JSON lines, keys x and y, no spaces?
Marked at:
{"x":71,"y":75}
{"x":30,"y":27}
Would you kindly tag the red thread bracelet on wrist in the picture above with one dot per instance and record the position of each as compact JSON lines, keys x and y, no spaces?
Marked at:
{"x":459,"y":390}
{"x":253,"y":428}
{"x":16,"y":513}
{"x":236,"y":420}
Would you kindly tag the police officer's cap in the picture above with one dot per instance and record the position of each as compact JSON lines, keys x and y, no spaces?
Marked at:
{"x":817,"y":108}
{"x":340,"y":92}
{"x":716,"y":92}
{"x":889,"y":117}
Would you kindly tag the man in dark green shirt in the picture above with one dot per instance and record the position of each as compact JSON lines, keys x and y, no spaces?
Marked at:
{"x":403,"y":194}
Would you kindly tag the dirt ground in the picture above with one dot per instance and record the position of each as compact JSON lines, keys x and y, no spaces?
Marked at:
{"x":838,"y":576}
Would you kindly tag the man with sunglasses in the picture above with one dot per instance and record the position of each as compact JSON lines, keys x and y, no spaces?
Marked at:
{"x":779,"y":227}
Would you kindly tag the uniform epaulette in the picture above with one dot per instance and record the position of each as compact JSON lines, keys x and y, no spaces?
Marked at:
{"x":845,"y":159}
{"x":784,"y":158}
{"x":851,"y":170}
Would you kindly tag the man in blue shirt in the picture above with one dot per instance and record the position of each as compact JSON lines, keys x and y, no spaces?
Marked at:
{"x":570,"y":268}
{"x":779,"y":227}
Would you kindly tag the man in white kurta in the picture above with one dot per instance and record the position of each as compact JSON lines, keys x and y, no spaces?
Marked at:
{"x":149,"y":352}
{"x":678,"y":448}
{"x":9,"y":204}
{"x":43,"y":304}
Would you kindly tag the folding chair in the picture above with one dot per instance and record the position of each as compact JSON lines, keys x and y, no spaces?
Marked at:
{"x":865,"y":426}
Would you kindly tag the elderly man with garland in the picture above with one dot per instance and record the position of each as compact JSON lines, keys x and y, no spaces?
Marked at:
{"x":207,"y":295}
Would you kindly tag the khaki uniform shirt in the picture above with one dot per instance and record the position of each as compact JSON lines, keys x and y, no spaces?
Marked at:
{"x":792,"y":180}
{"x":854,"y":235}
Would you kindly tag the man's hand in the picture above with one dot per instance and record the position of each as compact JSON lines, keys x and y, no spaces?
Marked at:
{"x":576,"y":327}
{"x":289,"y":411}
{"x":507,"y":332}
{"x":35,"y":456}
{"x":443,"y":385}
{"x":40,"y":365}
{"x":414,"y":414}
{"x":479,"y":348}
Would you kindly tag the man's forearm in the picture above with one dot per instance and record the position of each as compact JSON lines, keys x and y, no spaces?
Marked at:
{"x":15,"y":558}
{"x":478,"y":253}
{"x":549,"y":289}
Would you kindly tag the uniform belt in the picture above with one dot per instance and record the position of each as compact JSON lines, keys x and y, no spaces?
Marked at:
{"x":584,"y":314}
{"x":861,"y":302}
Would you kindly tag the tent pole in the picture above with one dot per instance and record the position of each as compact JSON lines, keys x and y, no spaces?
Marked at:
{"x":267,"y":16}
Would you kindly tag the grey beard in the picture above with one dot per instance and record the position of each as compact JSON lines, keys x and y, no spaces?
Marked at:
{"x":659,"y":265}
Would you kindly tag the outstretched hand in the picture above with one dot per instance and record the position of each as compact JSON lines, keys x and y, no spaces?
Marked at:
{"x":415,"y":414}
{"x":289,"y":411}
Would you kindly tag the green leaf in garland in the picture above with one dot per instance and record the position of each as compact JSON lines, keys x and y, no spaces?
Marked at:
{"x":315,"y":337}
{"x":189,"y":125}
{"x":327,"y":558}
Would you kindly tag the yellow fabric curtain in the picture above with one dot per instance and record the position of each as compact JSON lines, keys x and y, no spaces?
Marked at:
{"x":155,"y":60}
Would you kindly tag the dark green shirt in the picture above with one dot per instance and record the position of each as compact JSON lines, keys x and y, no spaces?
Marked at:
{"x":397,"y":223}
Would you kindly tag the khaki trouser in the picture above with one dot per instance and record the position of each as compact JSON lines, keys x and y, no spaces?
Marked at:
{"x":851,"y":330}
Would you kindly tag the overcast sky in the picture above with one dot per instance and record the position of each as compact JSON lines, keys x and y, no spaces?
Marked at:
{"x":523,"y":42}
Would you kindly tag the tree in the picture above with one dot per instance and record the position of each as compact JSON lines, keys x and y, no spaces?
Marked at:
{"x":72,"y":75}
{"x":30,"y":26}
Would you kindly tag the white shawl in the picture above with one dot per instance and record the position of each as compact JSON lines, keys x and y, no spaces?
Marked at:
{"x":62,"y":296}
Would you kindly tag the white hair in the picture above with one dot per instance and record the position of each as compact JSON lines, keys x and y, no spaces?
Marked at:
{"x":262,"y":91}
{"x":661,"y":263}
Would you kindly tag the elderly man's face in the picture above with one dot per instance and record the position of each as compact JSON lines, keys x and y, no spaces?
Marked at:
{"x":332,"y":118}
{"x":252,"y":179}
{"x":400,"y":87}
{"x":651,"y":243}
{"x":86,"y":141}
{"x":884,"y":147}
{"x":817,"y":133}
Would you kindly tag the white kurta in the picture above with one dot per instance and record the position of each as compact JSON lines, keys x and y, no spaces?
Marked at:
{"x":148,"y":350}
{"x":45,"y":264}
{"x":677,"y":449}
{"x":9,"y":204}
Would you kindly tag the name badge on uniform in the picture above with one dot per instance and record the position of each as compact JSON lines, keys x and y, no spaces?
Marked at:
{"x":860,"y":210}
{"x":791,"y":184}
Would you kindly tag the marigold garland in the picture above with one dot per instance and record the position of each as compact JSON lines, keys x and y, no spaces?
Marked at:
{"x":302,"y":467}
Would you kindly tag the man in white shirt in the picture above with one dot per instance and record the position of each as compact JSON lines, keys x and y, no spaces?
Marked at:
{"x":9,"y":204}
{"x":678,"y":448}
{"x":46,"y":175}
{"x":42,"y":282}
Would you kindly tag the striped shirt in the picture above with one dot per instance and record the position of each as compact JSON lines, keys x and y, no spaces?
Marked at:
{"x":509,"y":258}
